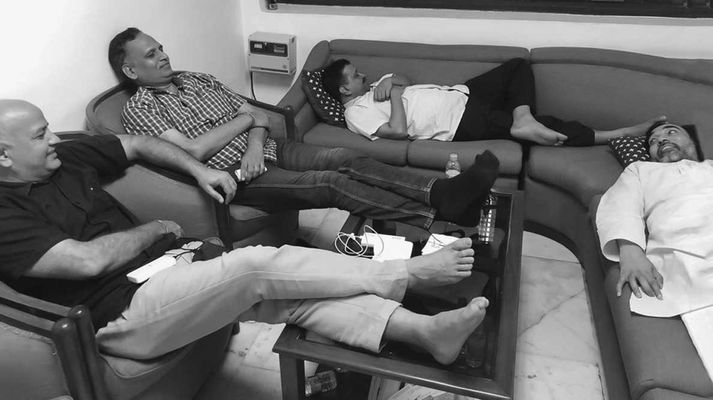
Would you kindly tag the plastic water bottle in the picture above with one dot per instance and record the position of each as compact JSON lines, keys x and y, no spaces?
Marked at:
{"x":452,"y":166}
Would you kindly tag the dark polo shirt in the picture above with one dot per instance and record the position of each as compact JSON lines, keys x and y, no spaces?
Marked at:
{"x":70,"y":205}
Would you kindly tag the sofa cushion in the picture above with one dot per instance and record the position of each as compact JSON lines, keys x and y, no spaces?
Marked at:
{"x":581,"y":171}
{"x":175,"y":375}
{"x":657,"y":352}
{"x":30,"y":365}
{"x":385,"y":150}
{"x":630,"y":149}
{"x":327,"y":108}
{"x":433,"y":154}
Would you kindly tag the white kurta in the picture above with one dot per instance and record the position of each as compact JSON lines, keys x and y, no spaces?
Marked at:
{"x":432,"y":111}
{"x":674,"y":201}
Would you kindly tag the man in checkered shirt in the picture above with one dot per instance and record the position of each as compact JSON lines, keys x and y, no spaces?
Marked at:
{"x":217,"y":126}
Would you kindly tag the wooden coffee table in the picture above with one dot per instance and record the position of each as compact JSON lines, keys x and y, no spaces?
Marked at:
{"x":483,"y":370}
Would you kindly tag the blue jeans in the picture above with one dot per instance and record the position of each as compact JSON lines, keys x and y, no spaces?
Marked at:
{"x":307,"y":176}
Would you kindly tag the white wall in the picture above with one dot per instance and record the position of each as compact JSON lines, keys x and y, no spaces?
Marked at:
{"x":670,"y":37}
{"x":54,"y":52}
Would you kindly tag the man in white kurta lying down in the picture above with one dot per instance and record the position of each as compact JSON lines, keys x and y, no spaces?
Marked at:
{"x":671,"y":198}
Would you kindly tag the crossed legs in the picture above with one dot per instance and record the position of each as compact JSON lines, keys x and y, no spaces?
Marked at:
{"x":310,"y":287}
{"x":308,"y":176}
{"x":502,"y":103}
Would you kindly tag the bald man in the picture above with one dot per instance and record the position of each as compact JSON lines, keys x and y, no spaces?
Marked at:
{"x":63,"y":239}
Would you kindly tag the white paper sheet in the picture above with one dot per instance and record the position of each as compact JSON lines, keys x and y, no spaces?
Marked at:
{"x":700,"y":327}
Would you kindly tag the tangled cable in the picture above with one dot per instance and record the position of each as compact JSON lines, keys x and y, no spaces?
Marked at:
{"x":354,"y":245}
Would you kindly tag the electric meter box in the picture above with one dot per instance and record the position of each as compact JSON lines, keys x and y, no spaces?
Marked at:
{"x":272,"y":52}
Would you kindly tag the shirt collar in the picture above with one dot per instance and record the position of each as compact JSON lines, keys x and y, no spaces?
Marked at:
{"x":352,"y":101}
{"x":176,"y":80}
{"x":22,"y":187}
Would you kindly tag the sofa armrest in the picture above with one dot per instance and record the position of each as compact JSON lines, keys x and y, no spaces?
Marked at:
{"x":31,"y":359}
{"x":103,"y":112}
{"x":295,"y":99}
{"x":282,"y":120}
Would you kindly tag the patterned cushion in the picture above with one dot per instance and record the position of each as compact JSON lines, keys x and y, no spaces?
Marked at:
{"x":328,"y":109}
{"x":630,"y":149}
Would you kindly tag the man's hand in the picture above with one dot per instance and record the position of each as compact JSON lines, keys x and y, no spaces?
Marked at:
{"x":252,"y":163}
{"x":208,"y":179}
{"x":170,"y":227}
{"x":396,"y":128}
{"x":382,"y":91}
{"x":637,"y":271}
{"x":259,"y":117}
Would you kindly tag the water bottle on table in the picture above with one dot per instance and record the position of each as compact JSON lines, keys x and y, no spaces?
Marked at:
{"x":452,"y":166}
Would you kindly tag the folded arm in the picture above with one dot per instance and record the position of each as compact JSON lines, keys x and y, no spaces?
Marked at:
{"x":253,"y":161}
{"x":382,"y":90}
{"x":396,"y":128}
{"x":208,"y":144}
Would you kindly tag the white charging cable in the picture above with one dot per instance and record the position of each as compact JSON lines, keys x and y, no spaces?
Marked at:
{"x":353,"y":245}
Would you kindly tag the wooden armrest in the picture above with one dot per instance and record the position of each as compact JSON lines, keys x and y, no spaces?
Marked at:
{"x":64,"y":333}
{"x":32,"y":305}
{"x":286,"y":113}
{"x":22,"y":319}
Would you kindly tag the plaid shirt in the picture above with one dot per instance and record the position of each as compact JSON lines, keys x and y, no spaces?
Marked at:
{"x":202,"y":103}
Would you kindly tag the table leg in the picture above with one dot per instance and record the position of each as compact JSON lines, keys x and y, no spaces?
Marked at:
{"x":292,"y":375}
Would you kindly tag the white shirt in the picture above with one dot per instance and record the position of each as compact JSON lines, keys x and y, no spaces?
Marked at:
{"x":432,"y":111}
{"x":674,"y":201}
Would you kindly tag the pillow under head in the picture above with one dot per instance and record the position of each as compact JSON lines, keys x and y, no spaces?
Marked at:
{"x":327,"y":108}
{"x":635,"y":148}
{"x":628,"y":149}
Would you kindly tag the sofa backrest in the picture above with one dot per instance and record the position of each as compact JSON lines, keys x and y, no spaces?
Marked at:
{"x":104,"y":111}
{"x":423,"y":63}
{"x":608,"y":89}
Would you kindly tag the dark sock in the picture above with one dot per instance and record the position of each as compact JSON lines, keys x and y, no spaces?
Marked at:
{"x":459,"y":199}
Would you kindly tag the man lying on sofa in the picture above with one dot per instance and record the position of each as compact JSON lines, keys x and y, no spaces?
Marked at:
{"x":656,"y":221}
{"x":495,"y":105}
{"x":65,"y":240}
{"x":215,"y":125}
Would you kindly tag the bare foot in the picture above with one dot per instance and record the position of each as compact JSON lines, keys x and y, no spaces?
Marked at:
{"x":446,"y":332}
{"x":445,"y":266}
{"x":526,"y":127}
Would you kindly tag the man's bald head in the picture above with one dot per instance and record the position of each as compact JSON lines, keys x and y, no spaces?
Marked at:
{"x":13,"y":112}
{"x":26,"y":143}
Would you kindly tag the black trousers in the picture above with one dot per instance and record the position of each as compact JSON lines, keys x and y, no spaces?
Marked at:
{"x":496,"y":93}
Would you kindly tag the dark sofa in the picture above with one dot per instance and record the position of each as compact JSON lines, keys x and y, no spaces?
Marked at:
{"x":643,"y":358}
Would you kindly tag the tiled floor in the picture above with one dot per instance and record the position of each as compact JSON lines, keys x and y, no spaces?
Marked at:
{"x":557,"y":353}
